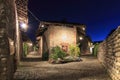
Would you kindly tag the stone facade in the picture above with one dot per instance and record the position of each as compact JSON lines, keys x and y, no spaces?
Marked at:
{"x":109,"y":54}
{"x":22,"y":18}
{"x":7,"y":36}
{"x":62,"y":34}
{"x":10,"y":13}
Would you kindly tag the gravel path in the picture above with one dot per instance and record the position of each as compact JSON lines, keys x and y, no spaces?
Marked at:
{"x":87,"y":69}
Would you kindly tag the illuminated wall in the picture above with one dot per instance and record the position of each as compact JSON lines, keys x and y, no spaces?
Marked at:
{"x":63,"y":35}
{"x":109,"y":54}
{"x":60,"y":35}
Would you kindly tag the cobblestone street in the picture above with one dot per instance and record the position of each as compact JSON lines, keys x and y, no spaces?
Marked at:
{"x":87,"y":69}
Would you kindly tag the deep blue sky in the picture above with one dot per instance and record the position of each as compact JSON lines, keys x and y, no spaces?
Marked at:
{"x":100,"y":16}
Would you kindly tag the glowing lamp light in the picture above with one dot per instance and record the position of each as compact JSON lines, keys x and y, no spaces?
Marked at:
{"x":81,"y":38}
{"x":42,"y":26}
{"x":30,"y":44}
{"x":12,"y":43}
{"x":83,"y":28}
{"x":23,"y":26}
{"x":64,"y":37}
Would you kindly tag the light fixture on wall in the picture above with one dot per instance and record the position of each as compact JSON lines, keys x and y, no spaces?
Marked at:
{"x":64,"y":37}
{"x":83,"y":28}
{"x":81,"y":38}
{"x":12,"y":43}
{"x":42,"y":26}
{"x":23,"y":26}
{"x":30,"y":44}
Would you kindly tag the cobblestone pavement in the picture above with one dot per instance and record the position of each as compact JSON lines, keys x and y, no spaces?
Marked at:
{"x":87,"y":69}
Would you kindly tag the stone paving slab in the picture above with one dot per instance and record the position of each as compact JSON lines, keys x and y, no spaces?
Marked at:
{"x":87,"y":69}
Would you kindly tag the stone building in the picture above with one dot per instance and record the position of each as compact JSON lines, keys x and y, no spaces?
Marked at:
{"x":7,"y":37}
{"x":63,"y":34}
{"x":21,"y":25}
{"x":10,"y":13}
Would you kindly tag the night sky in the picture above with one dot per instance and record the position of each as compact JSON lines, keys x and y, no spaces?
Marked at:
{"x":100,"y":16}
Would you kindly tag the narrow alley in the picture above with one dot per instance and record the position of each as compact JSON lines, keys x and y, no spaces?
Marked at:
{"x":87,"y":69}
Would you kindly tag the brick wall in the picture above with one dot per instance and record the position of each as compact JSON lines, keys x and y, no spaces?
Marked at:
{"x":109,"y":54}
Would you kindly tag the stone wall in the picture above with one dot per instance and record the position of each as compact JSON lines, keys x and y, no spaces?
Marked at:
{"x":46,"y":41}
{"x":7,"y":30}
{"x":62,"y":35}
{"x":109,"y":54}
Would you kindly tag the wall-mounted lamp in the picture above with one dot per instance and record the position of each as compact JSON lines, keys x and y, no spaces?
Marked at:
{"x":23,"y":26}
{"x":12,"y":43}
{"x":81,"y":38}
{"x":64,"y":37}
{"x":30,"y":44}
{"x":42,"y":26}
{"x":83,"y":28}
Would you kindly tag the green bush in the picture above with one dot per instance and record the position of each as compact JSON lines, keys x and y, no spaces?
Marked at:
{"x":25,"y":49}
{"x":74,"y":51}
{"x":95,"y":49}
{"x":57,"y":52}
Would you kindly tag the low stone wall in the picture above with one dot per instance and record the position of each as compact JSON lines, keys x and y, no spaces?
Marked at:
{"x":109,"y":54}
